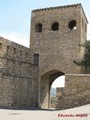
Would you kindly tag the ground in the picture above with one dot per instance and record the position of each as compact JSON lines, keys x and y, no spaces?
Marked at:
{"x":78,"y":113}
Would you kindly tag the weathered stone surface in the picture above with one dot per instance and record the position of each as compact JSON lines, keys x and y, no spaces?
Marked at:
{"x":75,"y":93}
{"x":57,"y":49}
{"x":18,"y":81}
{"x":26,"y":74}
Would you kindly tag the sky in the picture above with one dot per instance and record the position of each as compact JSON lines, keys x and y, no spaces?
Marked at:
{"x":59,"y":82}
{"x":15,"y":18}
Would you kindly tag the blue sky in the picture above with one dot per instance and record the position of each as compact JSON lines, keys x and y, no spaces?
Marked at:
{"x":15,"y":16}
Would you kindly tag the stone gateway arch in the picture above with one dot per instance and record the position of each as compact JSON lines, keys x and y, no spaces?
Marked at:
{"x":55,"y":36}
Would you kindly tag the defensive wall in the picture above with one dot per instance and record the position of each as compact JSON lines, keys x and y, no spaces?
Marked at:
{"x":18,"y":76}
{"x":26,"y":74}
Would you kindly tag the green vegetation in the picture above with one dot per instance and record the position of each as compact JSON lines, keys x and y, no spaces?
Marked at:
{"x":86,"y":61}
{"x":53,"y":100}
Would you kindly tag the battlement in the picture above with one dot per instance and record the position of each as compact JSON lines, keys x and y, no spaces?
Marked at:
{"x":14,"y":51}
{"x":73,"y":6}
{"x":8,"y":42}
{"x":17,"y":74}
{"x":58,"y":7}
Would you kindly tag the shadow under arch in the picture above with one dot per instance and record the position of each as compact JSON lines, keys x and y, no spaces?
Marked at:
{"x":45,"y":85}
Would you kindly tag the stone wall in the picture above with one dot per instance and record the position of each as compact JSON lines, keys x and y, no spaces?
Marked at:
{"x":75,"y":93}
{"x":24,"y":83}
{"x":57,"y":49}
{"x":18,"y":76}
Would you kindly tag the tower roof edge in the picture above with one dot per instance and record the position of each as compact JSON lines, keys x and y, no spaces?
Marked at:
{"x":57,"y":7}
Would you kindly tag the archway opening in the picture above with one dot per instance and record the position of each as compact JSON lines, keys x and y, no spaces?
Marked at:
{"x":56,"y":90}
{"x":45,"y":86}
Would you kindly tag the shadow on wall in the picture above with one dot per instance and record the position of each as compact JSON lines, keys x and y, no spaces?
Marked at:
{"x":46,"y":83}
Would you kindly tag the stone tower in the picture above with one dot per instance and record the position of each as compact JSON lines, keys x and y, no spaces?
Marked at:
{"x":55,"y":36}
{"x":56,"y":33}
{"x":26,"y":74}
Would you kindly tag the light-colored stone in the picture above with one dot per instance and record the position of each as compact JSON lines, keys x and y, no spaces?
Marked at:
{"x":22,"y":83}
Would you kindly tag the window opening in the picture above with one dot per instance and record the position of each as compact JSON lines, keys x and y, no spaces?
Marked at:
{"x":36,"y":59}
{"x":72,"y":25}
{"x":39,"y":27}
{"x":7,"y":48}
{"x":85,"y":28}
{"x":82,"y":23}
{"x":14,"y":50}
{"x":0,"y":46}
{"x":55,"y":26}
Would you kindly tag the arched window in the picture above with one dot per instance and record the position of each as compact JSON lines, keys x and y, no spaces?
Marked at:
{"x":72,"y":25}
{"x":55,"y":26}
{"x":38,"y":27}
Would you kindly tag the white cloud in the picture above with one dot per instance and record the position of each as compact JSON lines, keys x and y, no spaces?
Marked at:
{"x":20,"y":39}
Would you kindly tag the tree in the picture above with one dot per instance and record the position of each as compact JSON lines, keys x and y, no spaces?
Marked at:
{"x":86,"y":61}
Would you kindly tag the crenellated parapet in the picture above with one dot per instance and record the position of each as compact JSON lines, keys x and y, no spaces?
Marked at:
{"x":12,"y":50}
{"x":18,"y":75}
{"x":62,"y":8}
{"x":58,"y":7}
